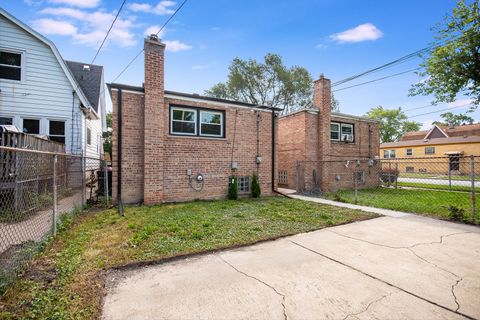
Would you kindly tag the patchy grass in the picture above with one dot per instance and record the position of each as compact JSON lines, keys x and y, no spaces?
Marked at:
{"x":433,"y":203}
{"x":65,"y":281}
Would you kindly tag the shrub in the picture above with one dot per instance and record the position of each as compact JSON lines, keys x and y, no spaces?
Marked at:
{"x":456,"y":213}
{"x":255,"y":186}
{"x":338,"y":197}
{"x":233,"y":188}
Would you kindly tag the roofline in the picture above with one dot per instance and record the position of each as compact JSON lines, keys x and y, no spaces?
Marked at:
{"x":138,"y":89}
{"x":423,"y":143}
{"x":431,"y":130}
{"x":55,"y":51}
{"x":349,"y":116}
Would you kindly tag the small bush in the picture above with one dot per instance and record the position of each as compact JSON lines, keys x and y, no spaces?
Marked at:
{"x":456,"y":213}
{"x":255,"y":186}
{"x":233,"y":188}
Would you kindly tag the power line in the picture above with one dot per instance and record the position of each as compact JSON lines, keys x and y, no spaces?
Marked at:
{"x":108,"y":32}
{"x":378,"y":79}
{"x":437,"y":111}
{"x":138,"y":54}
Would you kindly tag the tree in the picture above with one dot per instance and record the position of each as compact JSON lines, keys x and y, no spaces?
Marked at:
{"x":255,"y":186}
{"x":268,"y":83}
{"x":450,"y":119}
{"x":393,"y":123}
{"x":107,"y":135}
{"x":453,"y":67}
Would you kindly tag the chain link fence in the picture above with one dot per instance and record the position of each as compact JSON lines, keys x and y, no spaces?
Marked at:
{"x":37,"y":189}
{"x":447,"y":187}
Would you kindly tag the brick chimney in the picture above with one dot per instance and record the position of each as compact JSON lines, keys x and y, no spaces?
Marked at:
{"x":154,"y":119}
{"x":322,"y":100}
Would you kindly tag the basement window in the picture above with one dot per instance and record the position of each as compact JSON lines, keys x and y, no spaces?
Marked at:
{"x":56,"y":131}
{"x":243,"y":184}
{"x":10,"y":65}
{"x":282,"y":177}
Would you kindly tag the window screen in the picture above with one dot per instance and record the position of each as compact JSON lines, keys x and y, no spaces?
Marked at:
{"x":31,"y":126}
{"x":57,"y":131}
{"x":183,"y":121}
{"x":10,"y":65}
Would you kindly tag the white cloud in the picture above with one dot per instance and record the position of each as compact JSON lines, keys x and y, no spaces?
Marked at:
{"x":154,"y":29}
{"x":162,"y":8}
{"x":56,"y":27}
{"x":363,"y":32}
{"x":93,"y":26}
{"x":78,"y":3}
{"x":176,"y":46}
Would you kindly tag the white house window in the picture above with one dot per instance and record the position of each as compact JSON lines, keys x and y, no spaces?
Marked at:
{"x":429,"y":150}
{"x":243,"y":184}
{"x":389,"y":154}
{"x":211,"y":123}
{"x":89,"y":136}
{"x":10,"y":65}
{"x":183,"y":121}
{"x":6,"y":121}
{"x":31,"y":126}
{"x":409,"y":152}
{"x":335,"y":131}
{"x":56,"y":131}
{"x":347,"y":132}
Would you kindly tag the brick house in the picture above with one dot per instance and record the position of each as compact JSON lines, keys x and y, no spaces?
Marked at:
{"x":318,"y":148}
{"x":170,"y":146}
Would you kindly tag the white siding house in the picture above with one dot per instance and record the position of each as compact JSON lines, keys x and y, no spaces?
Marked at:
{"x":42,"y":94}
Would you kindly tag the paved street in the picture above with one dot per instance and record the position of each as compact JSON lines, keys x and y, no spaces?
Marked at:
{"x":405,"y":267}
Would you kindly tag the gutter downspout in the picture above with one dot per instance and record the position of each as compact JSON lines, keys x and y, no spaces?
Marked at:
{"x":273,"y":151}
{"x":73,"y":120}
{"x":119,"y":153}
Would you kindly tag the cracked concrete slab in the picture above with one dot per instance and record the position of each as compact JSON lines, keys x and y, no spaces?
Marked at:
{"x":395,"y":268}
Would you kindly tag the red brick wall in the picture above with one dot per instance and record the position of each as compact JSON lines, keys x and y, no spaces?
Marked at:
{"x":305,"y":135}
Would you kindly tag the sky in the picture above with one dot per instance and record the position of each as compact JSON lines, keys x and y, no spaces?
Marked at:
{"x":337,"y":38}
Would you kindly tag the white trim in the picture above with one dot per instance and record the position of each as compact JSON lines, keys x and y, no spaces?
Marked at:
{"x":58,"y":135}
{"x":213,"y":103}
{"x":194,"y":121}
{"x":431,"y":130}
{"x":56,"y":53}
{"x":129,"y":91}
{"x":406,"y":152}
{"x":339,"y":130}
{"x":32,"y":118}
{"x":221,"y":123}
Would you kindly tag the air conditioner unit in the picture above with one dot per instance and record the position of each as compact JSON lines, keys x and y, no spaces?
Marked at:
{"x":347,"y":137}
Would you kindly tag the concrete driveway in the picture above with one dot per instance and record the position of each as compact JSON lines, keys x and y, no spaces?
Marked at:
{"x":386,"y":268}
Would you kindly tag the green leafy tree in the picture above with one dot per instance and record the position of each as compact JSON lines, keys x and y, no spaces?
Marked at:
{"x":255,"y":186}
{"x":233,"y":188}
{"x":450,"y":119}
{"x":393,"y":123}
{"x":268,"y":83}
{"x":453,"y":67}
{"x":107,"y":136}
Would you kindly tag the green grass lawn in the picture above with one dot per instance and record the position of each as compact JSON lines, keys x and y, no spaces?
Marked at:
{"x":436,"y":186}
{"x":66,"y":280}
{"x":427,"y":202}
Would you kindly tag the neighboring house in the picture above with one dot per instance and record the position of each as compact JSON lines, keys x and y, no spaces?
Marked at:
{"x":438,"y":142}
{"x":170,"y":146}
{"x":42,"y":94}
{"x":318,"y":147}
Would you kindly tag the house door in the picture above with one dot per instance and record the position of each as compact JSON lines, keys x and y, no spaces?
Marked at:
{"x":454,"y":162}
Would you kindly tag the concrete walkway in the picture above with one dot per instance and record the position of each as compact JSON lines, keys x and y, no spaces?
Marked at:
{"x":393,"y":267}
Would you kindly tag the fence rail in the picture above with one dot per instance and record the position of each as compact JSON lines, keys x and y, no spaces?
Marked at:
{"x":448,"y":187}
{"x":37,"y":189}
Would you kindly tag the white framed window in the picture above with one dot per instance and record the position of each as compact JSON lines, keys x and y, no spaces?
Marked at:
{"x":429,"y":150}
{"x":11,"y":65}
{"x":211,"y":123}
{"x":347,"y":132}
{"x":6,"y":121}
{"x":31,"y":126}
{"x":389,"y":154}
{"x":243,"y":184}
{"x":56,"y":131}
{"x":409,"y":152}
{"x":183,"y":121}
{"x":89,"y":136}
{"x":335,"y":131}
